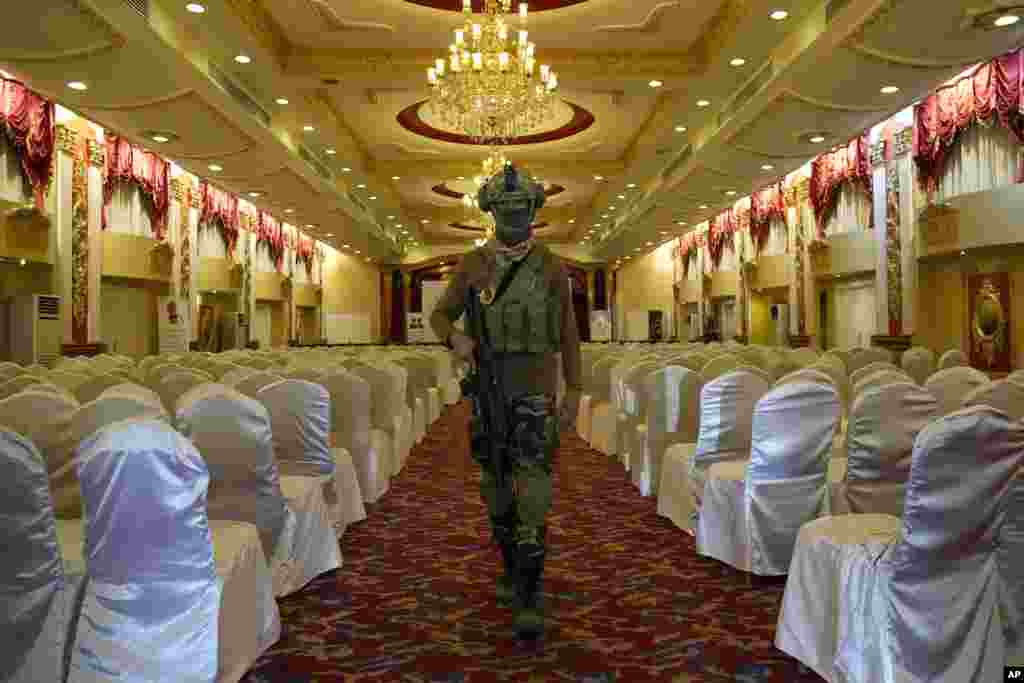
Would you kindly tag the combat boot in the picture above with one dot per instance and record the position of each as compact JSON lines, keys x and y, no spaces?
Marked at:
{"x":528,"y":613}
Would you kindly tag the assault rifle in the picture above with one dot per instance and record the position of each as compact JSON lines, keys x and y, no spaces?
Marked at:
{"x":484,"y":384}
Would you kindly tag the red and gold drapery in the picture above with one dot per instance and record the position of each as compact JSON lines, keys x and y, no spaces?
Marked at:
{"x":304,"y":250}
{"x":990,"y":92}
{"x":688,"y":243}
{"x":29,"y":124}
{"x":126,"y":163}
{"x":765,"y":206}
{"x":221,"y":208}
{"x":722,"y":228}
{"x":270,"y":232}
{"x":851,"y":163}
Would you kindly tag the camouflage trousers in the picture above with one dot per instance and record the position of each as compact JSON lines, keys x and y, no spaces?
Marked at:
{"x":518,"y":510}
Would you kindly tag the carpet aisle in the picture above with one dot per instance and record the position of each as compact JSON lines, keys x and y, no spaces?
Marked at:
{"x":627,"y":597}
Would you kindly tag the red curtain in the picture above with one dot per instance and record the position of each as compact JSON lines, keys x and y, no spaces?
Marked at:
{"x":270,"y":232}
{"x":765,"y":206}
{"x":850,"y":163}
{"x":992,"y":91}
{"x":127,"y":163}
{"x":304,"y":252}
{"x":687,"y":243}
{"x":722,"y":227}
{"x":29,"y":124}
{"x":222,"y":208}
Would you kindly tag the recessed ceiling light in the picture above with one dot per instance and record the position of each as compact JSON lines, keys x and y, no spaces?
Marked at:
{"x":215,"y":168}
{"x":424,"y":221}
{"x":627,"y":257}
{"x":159,"y":137}
{"x":738,"y":61}
{"x":767,"y":167}
{"x":650,"y":244}
{"x":637,"y":249}
{"x":597,"y":225}
{"x":817,"y":138}
{"x":461,"y":177}
{"x":680,"y":129}
{"x":655,"y":84}
{"x":308,"y":128}
{"x":604,"y":215}
{"x":1006,"y":20}
{"x":622,"y":196}
{"x":195,"y":8}
{"x":730,"y":192}
{"x":703,"y":103}
{"x":345,"y":246}
{"x":310,"y":226}
{"x":346,"y":169}
{"x":631,"y":185}
{"x":289,"y":210}
{"x":396,"y":177}
{"x":391,"y":218}
{"x":399,"y":225}
{"x":331,"y":151}
{"x":680,"y":222}
{"x":372,"y":197}
{"x":361,"y":186}
{"x":243,"y":59}
{"x":703,"y":206}
{"x":330,"y":234}
{"x":572,"y":220}
{"x":779,"y":14}
{"x":963,"y":253}
{"x":599,"y":177}
{"x":611,"y":208}
{"x":358,"y":252}
{"x":22,"y":262}
{"x":78,"y":85}
{"x":405,"y":232}
{"x":890,"y":89}
{"x":282,"y":100}
{"x":254,"y":194}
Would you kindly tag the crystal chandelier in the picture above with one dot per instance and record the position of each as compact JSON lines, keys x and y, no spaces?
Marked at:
{"x":490,"y":86}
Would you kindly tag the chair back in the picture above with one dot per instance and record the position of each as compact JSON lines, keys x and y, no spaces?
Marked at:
{"x":253,"y":383}
{"x":19,"y":383}
{"x":952,"y":385}
{"x":884,"y":421}
{"x":787,"y":479}
{"x":880,"y":379}
{"x":32,"y":572}
{"x":919,"y":363}
{"x":232,"y":433}
{"x":41,"y":417}
{"x":151,"y":604}
{"x":870,"y":369}
{"x":718,"y":366}
{"x":672,"y":396}
{"x":950,"y":574}
{"x":953,"y":358}
{"x":300,"y":419}
{"x":91,"y":389}
{"x":1003,"y":395}
{"x":726,"y":417}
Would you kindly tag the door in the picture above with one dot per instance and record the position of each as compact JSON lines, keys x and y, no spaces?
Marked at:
{"x":851,"y":320}
{"x":261,"y":325}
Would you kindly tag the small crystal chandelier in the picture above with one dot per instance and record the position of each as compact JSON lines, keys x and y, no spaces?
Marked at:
{"x":490,"y":86}
{"x":494,"y":163}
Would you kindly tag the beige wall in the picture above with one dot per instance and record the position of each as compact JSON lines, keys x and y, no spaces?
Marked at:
{"x":352,"y":286}
{"x":646,"y":284}
{"x":128,"y":310}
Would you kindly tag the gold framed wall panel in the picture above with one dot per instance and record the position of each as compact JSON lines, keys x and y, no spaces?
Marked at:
{"x":216,"y":274}
{"x":135,"y":257}
{"x":689,"y":291}
{"x":850,"y":253}
{"x":267,"y":287}
{"x":773,"y":271}
{"x":724,"y":284}
{"x":306,"y":295}
{"x":29,"y":242}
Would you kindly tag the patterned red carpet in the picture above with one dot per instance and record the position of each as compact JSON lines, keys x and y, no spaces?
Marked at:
{"x":627,"y":598}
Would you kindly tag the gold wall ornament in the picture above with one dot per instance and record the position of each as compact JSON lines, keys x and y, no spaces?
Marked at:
{"x":989,"y":321}
{"x":178,"y":191}
{"x":80,"y":249}
{"x":893,"y":251}
{"x":67,"y":139}
{"x":939,"y":226}
{"x":97,"y":153}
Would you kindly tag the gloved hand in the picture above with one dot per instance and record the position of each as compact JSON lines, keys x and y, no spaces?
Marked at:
{"x":570,"y":409}
{"x":463,"y":346}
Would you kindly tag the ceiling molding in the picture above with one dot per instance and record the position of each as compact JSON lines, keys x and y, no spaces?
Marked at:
{"x":446,"y":168}
{"x":410,"y":119}
{"x":649,"y":24}
{"x":762,"y":155}
{"x":83,"y":52}
{"x":263,"y":27}
{"x":143,"y":104}
{"x":335,"y":22}
{"x":478,"y":5}
{"x":831,"y":106}
{"x":910,"y":62}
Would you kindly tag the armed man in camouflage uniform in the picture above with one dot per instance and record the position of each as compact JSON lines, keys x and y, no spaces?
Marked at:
{"x":525,"y":305}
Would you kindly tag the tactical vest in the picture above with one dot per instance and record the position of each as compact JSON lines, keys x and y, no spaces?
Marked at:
{"x":528,"y":316}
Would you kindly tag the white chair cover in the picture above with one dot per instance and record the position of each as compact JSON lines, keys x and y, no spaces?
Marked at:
{"x":952,"y":359}
{"x":880,"y":379}
{"x":871,"y":368}
{"x":18,"y":383}
{"x":884,"y":422}
{"x":151,"y":602}
{"x":91,"y":389}
{"x":41,"y":417}
{"x":300,"y":417}
{"x":136,"y":391}
{"x":252,"y":384}
{"x":1003,"y":395}
{"x":860,"y":358}
{"x":233,"y":377}
{"x":88,"y":419}
{"x":351,"y":403}
{"x":919,"y":363}
{"x":938,"y":591}
{"x":719,"y":366}
{"x":754,"y":526}
{"x":37,"y":600}
{"x":672,"y":399}
{"x":951,"y":386}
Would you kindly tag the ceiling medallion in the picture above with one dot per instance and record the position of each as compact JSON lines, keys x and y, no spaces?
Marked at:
{"x":490,"y":86}
{"x":480,"y":228}
{"x":412,"y":120}
{"x":445,"y":191}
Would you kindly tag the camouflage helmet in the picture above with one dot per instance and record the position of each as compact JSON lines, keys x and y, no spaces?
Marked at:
{"x":510,"y":189}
